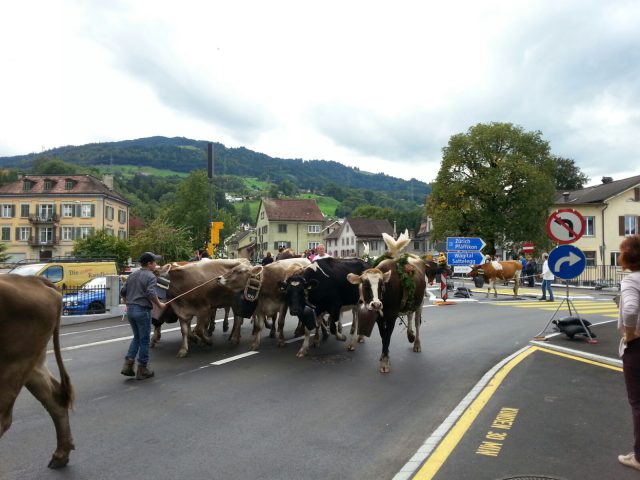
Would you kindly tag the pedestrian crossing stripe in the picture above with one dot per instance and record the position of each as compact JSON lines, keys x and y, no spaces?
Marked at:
{"x":528,"y":292}
{"x":582,"y":306}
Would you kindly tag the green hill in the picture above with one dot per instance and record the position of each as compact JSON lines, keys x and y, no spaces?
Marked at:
{"x":183,"y":155}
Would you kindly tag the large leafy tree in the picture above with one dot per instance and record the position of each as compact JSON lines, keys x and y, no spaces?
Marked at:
{"x":497,"y":182}
{"x":568,"y":175}
{"x":162,"y":238}
{"x":103,"y":245}
{"x":3,"y":256}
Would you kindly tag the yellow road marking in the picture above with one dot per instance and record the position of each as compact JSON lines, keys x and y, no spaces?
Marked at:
{"x":428,"y":470}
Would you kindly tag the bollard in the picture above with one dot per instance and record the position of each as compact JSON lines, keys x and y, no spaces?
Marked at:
{"x":443,"y":286}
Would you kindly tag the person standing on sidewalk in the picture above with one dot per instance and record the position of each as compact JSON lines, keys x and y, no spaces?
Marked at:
{"x":140,"y":296}
{"x":547,"y":278}
{"x":629,"y":327}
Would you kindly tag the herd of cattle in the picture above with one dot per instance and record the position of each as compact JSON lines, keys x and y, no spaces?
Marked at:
{"x":311,"y":291}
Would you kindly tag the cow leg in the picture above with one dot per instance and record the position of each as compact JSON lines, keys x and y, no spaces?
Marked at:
{"x":258,"y":322}
{"x":234,"y":338}
{"x":304,"y":349}
{"x":157,"y":334}
{"x":185,"y":330}
{"x":272,"y":329}
{"x":336,"y":325}
{"x":516,"y":285}
{"x":299,"y":331}
{"x":212,"y":322}
{"x":47,"y":390}
{"x":355,"y":338}
{"x":200,"y":331}
{"x":411,"y":336}
{"x":225,"y":322}
{"x":418,"y":318}
{"x":281,"y":316}
{"x":386,"y":329}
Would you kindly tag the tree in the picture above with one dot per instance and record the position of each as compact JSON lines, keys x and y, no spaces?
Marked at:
{"x":568,"y":175}
{"x":245,"y":213}
{"x":3,"y":256}
{"x":161,"y":238}
{"x":190,"y":209}
{"x":274,"y":192}
{"x":288,"y":188}
{"x":103,"y":245}
{"x":46,"y":166}
{"x":497,"y":182}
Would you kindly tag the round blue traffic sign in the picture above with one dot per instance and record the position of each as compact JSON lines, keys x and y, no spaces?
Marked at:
{"x":567,"y":261}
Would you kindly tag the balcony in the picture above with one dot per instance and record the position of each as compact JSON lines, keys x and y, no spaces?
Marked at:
{"x":44,"y":219}
{"x":36,"y":242}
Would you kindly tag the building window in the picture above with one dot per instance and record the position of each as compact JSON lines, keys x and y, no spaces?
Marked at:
{"x":312,"y":245}
{"x":590,"y":226}
{"x":416,"y":245}
{"x":630,"y":225}
{"x":265,"y":229}
{"x":48,"y":184}
{"x":24,"y":210}
{"x":67,"y":233}
{"x":45,"y":235}
{"x":45,"y":211}
{"x":26,"y":185}
{"x":590,"y":257}
{"x":279,"y":245}
{"x":313,"y":229}
{"x":23,"y":233}
{"x":86,"y":210}
{"x":261,"y":215}
{"x":109,"y":231}
{"x":282,"y":228}
{"x":122,"y":216}
{"x":7,"y":210}
{"x":122,"y":235}
{"x":67,"y":209}
{"x":69,"y":184}
{"x":6,"y":234}
{"x":613,"y":257}
{"x":109,"y":212}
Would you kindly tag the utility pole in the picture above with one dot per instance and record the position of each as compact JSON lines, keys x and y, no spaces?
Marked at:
{"x":214,"y":227}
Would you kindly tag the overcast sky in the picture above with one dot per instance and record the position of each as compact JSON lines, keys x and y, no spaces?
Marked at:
{"x":377,"y":85}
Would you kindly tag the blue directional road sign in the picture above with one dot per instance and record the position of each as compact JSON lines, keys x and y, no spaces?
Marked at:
{"x":464,"y":258}
{"x":465,"y":244}
{"x":567,"y":261}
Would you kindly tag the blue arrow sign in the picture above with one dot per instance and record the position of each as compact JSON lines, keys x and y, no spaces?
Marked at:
{"x":464,"y":258}
{"x":465,"y":244}
{"x":567,"y":261}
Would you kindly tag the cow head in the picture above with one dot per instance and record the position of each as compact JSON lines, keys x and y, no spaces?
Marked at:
{"x":371,"y":284}
{"x":477,"y":273}
{"x":296,"y":289}
{"x":236,"y":278}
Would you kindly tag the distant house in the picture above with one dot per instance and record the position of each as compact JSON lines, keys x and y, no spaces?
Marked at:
{"x":611,"y":211}
{"x":242,"y":244}
{"x":41,"y":216}
{"x":288,"y":223}
{"x":349,"y":240}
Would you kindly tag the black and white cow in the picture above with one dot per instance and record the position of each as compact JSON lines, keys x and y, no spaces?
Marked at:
{"x":323,"y":286}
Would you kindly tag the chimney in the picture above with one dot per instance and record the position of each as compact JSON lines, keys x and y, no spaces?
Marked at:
{"x":107,"y":179}
{"x":607,"y":179}
{"x":566,"y":196}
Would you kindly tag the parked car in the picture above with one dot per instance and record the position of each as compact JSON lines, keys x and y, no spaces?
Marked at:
{"x":90,"y":298}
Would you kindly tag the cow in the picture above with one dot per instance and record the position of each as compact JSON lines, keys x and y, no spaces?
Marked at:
{"x":393,"y":287}
{"x":492,"y":271}
{"x":193,"y":291}
{"x":30,"y":316}
{"x":262,"y":297}
{"x":323,"y":286}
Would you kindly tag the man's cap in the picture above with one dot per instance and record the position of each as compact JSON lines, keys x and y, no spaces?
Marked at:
{"x":148,"y":257}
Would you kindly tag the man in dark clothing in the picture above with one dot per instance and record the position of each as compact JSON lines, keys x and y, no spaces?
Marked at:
{"x":267,"y":260}
{"x":530,"y":271}
{"x":140,"y":296}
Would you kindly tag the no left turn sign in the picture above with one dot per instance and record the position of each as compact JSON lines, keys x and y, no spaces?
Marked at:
{"x":565,"y":225}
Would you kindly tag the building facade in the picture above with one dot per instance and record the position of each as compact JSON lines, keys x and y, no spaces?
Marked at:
{"x":355,"y":232}
{"x":42,"y":215}
{"x":288,"y":223}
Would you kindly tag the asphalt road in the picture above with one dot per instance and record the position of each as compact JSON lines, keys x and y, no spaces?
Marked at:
{"x":267,"y":415}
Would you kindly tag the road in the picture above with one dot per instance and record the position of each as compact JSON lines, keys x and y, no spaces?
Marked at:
{"x":266,"y":415}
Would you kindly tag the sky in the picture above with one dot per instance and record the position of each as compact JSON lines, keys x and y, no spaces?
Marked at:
{"x":381,"y":86}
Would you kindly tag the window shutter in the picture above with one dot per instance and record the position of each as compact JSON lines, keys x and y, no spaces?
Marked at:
{"x":13,"y":210}
{"x":636,"y":194}
{"x":76,"y":210}
{"x":76,"y":233}
{"x":93,"y":210}
{"x":621,"y":226}
{"x":17,"y":233}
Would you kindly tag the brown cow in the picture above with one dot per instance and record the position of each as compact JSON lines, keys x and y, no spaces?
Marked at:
{"x":493,"y":270}
{"x":196,"y":293}
{"x":262,"y":282}
{"x":29,"y":317}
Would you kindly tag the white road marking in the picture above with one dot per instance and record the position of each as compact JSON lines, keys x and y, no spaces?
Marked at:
{"x":231,"y":359}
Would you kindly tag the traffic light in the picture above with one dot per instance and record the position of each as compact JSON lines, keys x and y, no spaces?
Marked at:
{"x":215,"y":232}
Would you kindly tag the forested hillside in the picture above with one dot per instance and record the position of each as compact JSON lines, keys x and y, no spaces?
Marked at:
{"x":185,"y":155}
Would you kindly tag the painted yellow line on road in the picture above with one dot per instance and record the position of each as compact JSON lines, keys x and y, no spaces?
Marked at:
{"x":442,"y":452}
{"x":429,"y":469}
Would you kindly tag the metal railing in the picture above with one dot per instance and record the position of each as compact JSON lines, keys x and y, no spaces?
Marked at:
{"x":85,"y":300}
{"x":53,"y":218}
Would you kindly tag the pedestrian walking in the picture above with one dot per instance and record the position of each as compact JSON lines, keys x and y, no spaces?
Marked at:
{"x":547,"y":278}
{"x":629,"y":327}
{"x":140,"y":296}
{"x":530,"y":271}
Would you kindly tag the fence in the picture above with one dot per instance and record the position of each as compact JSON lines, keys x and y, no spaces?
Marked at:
{"x":85,"y":300}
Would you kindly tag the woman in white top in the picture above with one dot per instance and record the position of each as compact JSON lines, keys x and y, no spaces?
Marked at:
{"x":629,"y":327}
{"x":547,"y":278}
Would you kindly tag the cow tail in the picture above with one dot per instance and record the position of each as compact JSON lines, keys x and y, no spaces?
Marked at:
{"x":67,"y":395}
